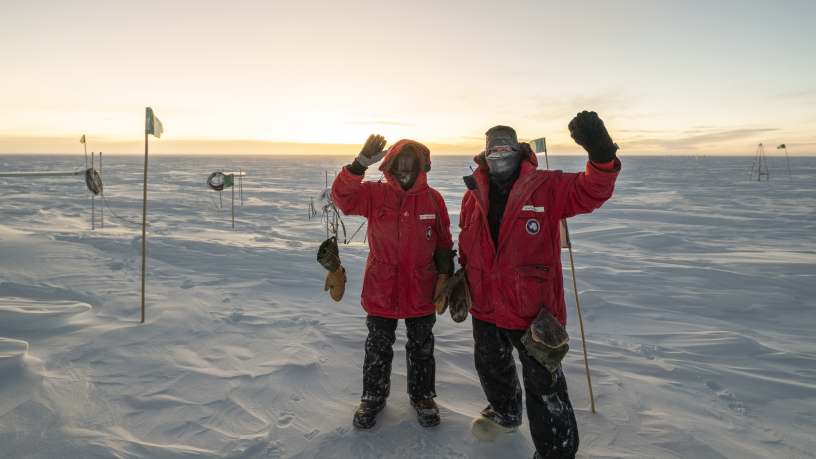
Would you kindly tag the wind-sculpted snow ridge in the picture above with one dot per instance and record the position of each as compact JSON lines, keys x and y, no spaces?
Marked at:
{"x":12,"y":353}
{"x":697,"y":288}
{"x":30,"y":314}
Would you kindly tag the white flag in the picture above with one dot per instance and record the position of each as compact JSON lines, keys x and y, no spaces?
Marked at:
{"x":82,"y":140}
{"x":539,"y":145}
{"x":153,"y":125}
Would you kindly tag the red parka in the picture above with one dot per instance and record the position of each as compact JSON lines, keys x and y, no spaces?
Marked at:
{"x":510,"y":283}
{"x":404,"y":230}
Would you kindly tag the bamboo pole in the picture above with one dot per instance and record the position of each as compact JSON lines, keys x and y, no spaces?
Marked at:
{"x":233,"y":205}
{"x":144,"y":226}
{"x":101,"y":209}
{"x":42,"y":174}
{"x":93,"y":200}
{"x":787,"y":161}
{"x":577,"y":300}
{"x":580,"y":319}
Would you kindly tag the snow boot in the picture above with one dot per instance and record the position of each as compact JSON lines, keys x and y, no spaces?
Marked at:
{"x":490,"y":425}
{"x":366,"y":415}
{"x":427,"y":412}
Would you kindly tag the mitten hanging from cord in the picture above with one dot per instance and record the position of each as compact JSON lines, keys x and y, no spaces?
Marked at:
{"x":328,"y":255}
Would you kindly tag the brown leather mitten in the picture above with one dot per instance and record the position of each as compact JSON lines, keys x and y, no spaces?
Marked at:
{"x":336,"y":283}
{"x":440,"y":299}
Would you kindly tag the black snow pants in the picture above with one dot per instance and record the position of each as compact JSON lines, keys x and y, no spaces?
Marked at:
{"x":379,"y":353}
{"x":552,"y":420}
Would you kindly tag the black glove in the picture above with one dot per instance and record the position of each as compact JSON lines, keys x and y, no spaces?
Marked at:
{"x":458,"y":293}
{"x":443,"y":259}
{"x":328,"y":254}
{"x":546,"y":340}
{"x":589,"y":131}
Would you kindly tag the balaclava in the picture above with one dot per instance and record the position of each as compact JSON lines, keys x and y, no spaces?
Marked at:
{"x":502,"y":152}
{"x":405,"y":167}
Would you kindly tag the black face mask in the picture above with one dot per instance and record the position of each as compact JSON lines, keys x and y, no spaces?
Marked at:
{"x":405,"y":169}
{"x":503,"y":162}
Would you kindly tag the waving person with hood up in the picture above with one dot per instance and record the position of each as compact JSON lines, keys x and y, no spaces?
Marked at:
{"x":409,"y":262}
{"x":510,"y":254}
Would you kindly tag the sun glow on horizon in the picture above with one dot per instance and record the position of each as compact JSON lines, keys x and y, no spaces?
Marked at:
{"x":310,"y":73}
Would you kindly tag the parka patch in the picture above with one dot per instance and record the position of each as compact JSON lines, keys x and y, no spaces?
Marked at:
{"x":427,"y":217}
{"x":532,"y":208}
{"x":533,"y":226}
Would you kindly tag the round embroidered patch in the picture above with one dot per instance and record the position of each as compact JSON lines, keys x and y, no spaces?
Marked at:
{"x":428,"y":233}
{"x":533,"y":227}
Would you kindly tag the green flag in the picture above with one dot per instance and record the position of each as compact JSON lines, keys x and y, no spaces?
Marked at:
{"x":153,"y":125}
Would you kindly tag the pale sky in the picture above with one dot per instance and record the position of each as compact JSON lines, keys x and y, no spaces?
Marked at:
{"x":683,"y":77}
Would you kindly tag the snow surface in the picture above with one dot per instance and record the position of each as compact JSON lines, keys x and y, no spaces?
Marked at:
{"x":697,"y":286}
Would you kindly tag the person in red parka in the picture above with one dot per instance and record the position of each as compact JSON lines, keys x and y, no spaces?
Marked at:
{"x":410,"y":259}
{"x":509,"y":247}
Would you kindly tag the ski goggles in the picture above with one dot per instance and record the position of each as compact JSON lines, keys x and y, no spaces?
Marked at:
{"x":501,"y":149}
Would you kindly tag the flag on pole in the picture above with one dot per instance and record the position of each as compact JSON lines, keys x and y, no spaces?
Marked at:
{"x":82,"y":140}
{"x":540,"y":145}
{"x":781,"y":146}
{"x":153,"y":125}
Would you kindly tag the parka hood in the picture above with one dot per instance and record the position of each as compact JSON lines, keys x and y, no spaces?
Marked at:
{"x":423,"y":156}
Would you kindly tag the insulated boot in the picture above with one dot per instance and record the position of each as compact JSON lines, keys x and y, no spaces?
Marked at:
{"x":427,"y":412}
{"x":366,"y":415}
{"x":490,"y":425}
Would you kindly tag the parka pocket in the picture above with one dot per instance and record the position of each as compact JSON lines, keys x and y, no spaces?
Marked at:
{"x":533,"y":289}
{"x":379,"y":285}
{"x":425,"y":283}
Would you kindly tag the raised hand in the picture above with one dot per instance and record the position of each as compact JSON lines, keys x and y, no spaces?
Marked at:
{"x":588,"y":131}
{"x":372,"y":150}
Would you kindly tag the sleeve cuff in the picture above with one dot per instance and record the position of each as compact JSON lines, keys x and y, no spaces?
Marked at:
{"x":609,"y":166}
{"x":356,"y":168}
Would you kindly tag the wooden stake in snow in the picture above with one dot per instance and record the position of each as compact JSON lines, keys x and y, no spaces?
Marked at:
{"x":540,"y":145}
{"x":219,"y":180}
{"x":43,"y":174}
{"x":93,"y":201}
{"x":787,"y":160}
{"x":101,"y":209}
{"x":152,"y":127}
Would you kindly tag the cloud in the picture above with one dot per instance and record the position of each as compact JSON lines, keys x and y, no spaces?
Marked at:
{"x":708,"y":138}
{"x":382,"y":123}
{"x":806,"y":93}
{"x":558,"y":107}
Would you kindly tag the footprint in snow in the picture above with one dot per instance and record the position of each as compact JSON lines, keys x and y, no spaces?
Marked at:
{"x":726,"y":396}
{"x":285,"y":420}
